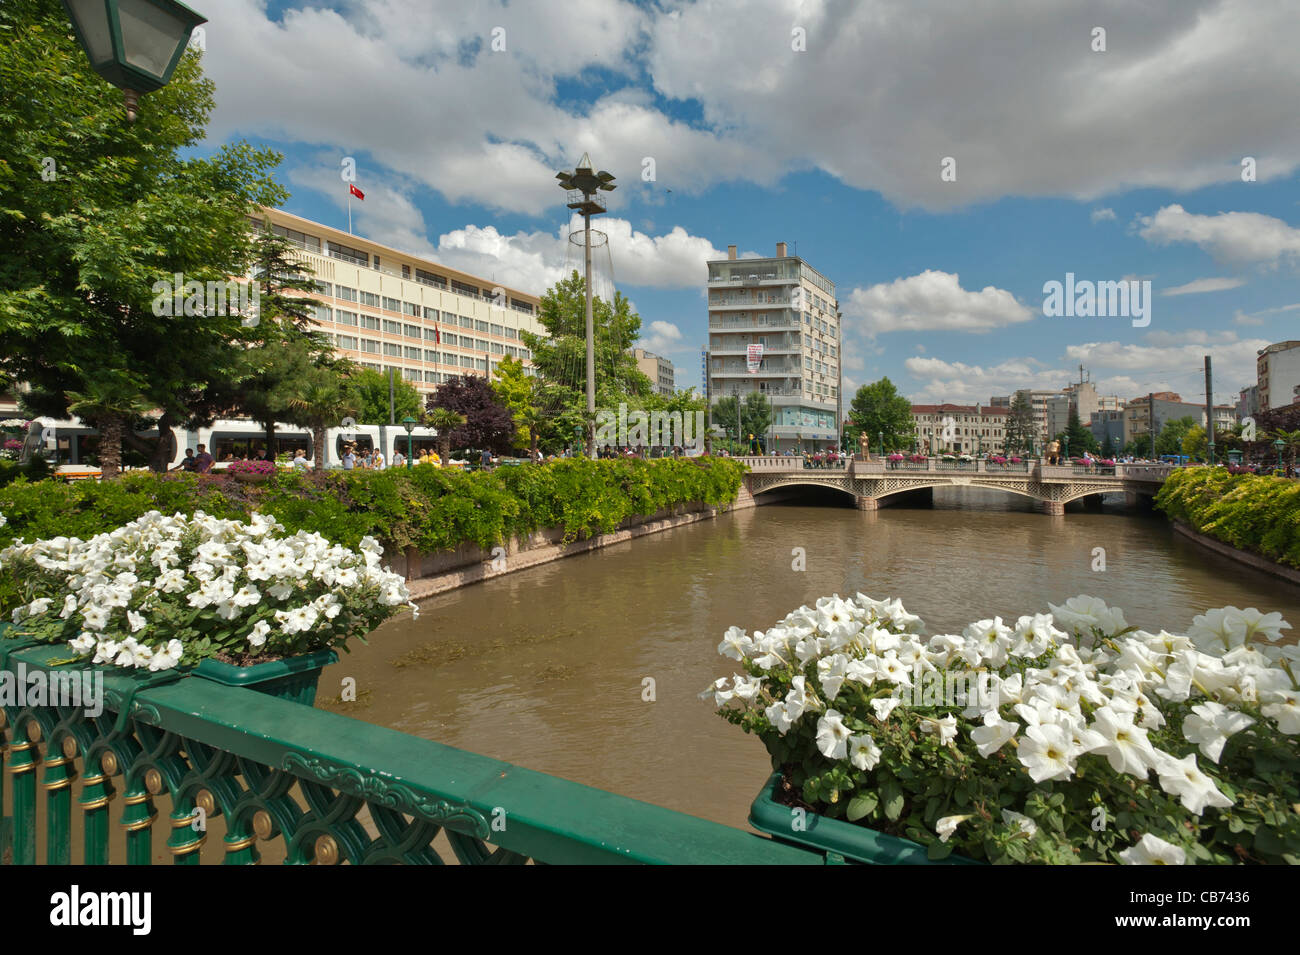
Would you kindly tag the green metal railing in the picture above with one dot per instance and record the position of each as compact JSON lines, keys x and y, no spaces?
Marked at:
{"x":317,"y":786}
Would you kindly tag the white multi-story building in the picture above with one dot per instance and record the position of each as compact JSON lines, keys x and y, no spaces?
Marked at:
{"x":1278,"y":375}
{"x":959,"y":429}
{"x":389,"y":309}
{"x":789,"y":310}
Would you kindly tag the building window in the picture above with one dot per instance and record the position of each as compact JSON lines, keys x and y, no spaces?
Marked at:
{"x":411,"y":374}
{"x":346,"y":341}
{"x":370,"y":321}
{"x":392,"y":328}
{"x":466,"y":322}
{"x":345,"y":318}
{"x":348,"y":254}
{"x":369,"y":346}
{"x":370,"y":299}
{"x":394,"y":351}
{"x":428,"y":278}
{"x":430,"y":314}
{"x":433,"y":376}
{"x":480,"y":326}
{"x":406,"y":271}
{"x":392,"y":304}
{"x":411,"y":331}
{"x":323,"y":288}
{"x":464,"y":289}
{"x":431,"y":334}
{"x":411,"y":353}
{"x":431,"y":355}
{"x":410,"y":308}
{"x":345,"y":293}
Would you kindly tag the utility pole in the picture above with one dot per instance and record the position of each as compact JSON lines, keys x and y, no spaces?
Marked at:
{"x":1209,"y":408}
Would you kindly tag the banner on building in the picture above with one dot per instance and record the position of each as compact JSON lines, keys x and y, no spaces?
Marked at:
{"x":754,"y":357}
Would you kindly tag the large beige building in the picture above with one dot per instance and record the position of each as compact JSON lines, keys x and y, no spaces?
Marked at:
{"x":657,"y":368}
{"x":959,"y":429}
{"x":788,"y":311}
{"x":389,"y":309}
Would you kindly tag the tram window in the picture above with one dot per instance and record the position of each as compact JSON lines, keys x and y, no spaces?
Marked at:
{"x":362,"y":442}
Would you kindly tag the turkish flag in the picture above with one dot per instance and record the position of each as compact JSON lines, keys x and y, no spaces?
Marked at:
{"x":437,"y":338}
{"x":355,"y":191}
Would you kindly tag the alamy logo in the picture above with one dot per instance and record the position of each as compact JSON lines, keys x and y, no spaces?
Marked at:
{"x":175,"y":296}
{"x":77,"y":690}
{"x":1127,"y":298}
{"x":75,"y":908}
{"x":657,"y":429}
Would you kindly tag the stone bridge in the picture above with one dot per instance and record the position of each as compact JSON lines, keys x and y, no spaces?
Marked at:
{"x":871,"y":482}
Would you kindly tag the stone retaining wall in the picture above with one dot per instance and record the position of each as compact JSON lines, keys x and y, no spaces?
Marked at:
{"x":434,"y":573}
{"x":1256,"y":561}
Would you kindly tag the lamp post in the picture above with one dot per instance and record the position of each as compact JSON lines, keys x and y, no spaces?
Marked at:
{"x":134,"y":44}
{"x":1065,"y":446}
{"x":409,"y":424}
{"x":880,"y":442}
{"x":582,"y":185}
{"x":1280,"y":444}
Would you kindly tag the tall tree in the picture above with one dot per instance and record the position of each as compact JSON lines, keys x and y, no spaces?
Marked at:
{"x":370,"y":388}
{"x":756,"y":416}
{"x":98,"y":214}
{"x":1021,"y":429}
{"x":488,"y":423}
{"x":1170,"y":438}
{"x":522,"y":395}
{"x":878,"y":409}
{"x":560,"y":356}
{"x":1081,"y":438}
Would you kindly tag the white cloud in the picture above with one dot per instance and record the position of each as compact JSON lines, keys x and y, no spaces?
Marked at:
{"x":1011,"y":91}
{"x":528,"y":260}
{"x":964,"y":383}
{"x":1197,"y":286}
{"x":1103,"y":215}
{"x":663,"y":337}
{"x":1257,"y":318}
{"x":931,"y":301}
{"x":1228,"y":236}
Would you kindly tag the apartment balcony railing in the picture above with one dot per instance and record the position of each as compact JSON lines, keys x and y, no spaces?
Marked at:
{"x":226,"y":774}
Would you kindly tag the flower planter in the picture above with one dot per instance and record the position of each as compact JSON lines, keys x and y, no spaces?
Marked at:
{"x":855,"y":843}
{"x":294,"y":678}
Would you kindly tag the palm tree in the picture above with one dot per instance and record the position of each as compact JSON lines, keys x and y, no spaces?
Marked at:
{"x":321,"y":402}
{"x":444,"y":420}
{"x":109,"y":404}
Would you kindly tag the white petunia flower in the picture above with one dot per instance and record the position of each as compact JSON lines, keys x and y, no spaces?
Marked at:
{"x":1152,"y":850}
{"x":1210,"y":724}
{"x":863,"y":751}
{"x":1182,"y":778}
{"x":946,"y":826}
{"x":833,"y":735}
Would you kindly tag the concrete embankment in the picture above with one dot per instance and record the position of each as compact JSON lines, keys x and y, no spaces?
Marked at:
{"x":1241,"y":556}
{"x":430,"y":574}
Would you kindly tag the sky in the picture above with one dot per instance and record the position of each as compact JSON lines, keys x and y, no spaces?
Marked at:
{"x":940,"y":162}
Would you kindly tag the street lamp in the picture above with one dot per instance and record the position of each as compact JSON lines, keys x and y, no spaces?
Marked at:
{"x":582,"y":186}
{"x":134,"y":44}
{"x":880,"y":442}
{"x":1065,"y":446}
{"x":409,"y":424}
{"x":1279,"y":444}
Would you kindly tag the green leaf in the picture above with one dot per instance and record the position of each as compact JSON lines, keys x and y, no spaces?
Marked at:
{"x":861,"y":806}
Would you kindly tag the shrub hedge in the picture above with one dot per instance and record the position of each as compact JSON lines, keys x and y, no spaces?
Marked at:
{"x":428,"y":508}
{"x":1254,"y":512}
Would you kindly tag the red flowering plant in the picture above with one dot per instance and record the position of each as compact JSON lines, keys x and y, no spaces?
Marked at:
{"x":251,"y":467}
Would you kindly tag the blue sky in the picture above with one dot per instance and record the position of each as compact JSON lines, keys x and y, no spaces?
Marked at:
{"x":824,"y":124}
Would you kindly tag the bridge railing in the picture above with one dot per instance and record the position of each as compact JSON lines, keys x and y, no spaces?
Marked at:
{"x":769,"y":462}
{"x":222,"y":774}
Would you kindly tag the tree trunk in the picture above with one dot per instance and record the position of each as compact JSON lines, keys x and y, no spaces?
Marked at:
{"x":318,"y":443}
{"x":532,"y":434}
{"x":270,"y":439}
{"x":110,"y":444}
{"x":444,"y":445}
{"x":164,"y":450}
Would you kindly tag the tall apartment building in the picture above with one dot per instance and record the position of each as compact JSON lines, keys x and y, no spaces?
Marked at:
{"x":1278,"y":375}
{"x":659,"y":370}
{"x":389,"y":309}
{"x":789,"y":309}
{"x":961,"y":429}
{"x":1248,"y":402}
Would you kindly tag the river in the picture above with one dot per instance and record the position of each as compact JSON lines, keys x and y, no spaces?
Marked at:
{"x":547,"y":667}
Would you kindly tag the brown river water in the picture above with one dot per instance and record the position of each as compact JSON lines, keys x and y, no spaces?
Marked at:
{"x":546,"y":668}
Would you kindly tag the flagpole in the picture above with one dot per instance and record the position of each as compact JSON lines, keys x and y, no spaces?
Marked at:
{"x":349,"y":212}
